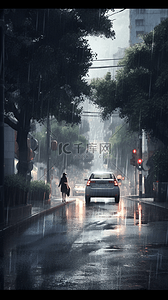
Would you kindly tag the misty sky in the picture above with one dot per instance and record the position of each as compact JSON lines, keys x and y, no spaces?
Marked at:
{"x":105,"y":48}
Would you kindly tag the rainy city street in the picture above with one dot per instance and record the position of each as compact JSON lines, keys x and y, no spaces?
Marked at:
{"x":84,"y":149}
{"x":102,"y":245}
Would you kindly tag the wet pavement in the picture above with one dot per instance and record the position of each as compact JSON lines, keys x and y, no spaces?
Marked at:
{"x":103,"y":245}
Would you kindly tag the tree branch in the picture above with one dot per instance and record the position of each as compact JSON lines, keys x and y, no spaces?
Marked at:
{"x":11,"y":123}
{"x":15,"y":111}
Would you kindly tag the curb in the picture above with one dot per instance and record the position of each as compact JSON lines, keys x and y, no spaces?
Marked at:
{"x":137,"y":199}
{"x":32,"y":218}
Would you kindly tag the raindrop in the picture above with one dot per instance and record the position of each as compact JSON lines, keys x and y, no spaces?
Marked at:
{"x":99,"y":13}
{"x":150,"y":80}
{"x":167,"y":237}
{"x":126,"y":168}
{"x":7,"y":213}
{"x":36,"y":21}
{"x":10,"y":261}
{"x":118,"y":277}
{"x":150,"y":83}
{"x":28,"y":77}
{"x":117,"y":159}
{"x":149,"y":280}
{"x":152,"y":43}
{"x":48,"y":12}
{"x":158,"y":262}
{"x":43,"y":226}
{"x":44,"y":22}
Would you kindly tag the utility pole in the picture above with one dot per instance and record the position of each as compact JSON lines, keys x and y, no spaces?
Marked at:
{"x":140,"y":157}
{"x":2,"y":145}
{"x":48,"y":148}
{"x":133,"y":162}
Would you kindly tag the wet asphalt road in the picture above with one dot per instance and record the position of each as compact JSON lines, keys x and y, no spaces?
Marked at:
{"x":100,"y":246}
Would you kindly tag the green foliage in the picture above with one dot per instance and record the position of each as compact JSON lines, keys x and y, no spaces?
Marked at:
{"x":47,"y":57}
{"x":65,"y":134}
{"x":15,"y":190}
{"x":98,"y":17}
{"x":103,"y":94}
{"x":140,"y":90}
{"x":160,"y":163}
{"x":36,"y":186}
{"x":122,"y":143}
{"x":123,"y":138}
{"x":15,"y":181}
{"x":39,"y":191}
{"x":18,"y":181}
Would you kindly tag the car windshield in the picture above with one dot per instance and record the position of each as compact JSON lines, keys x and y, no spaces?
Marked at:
{"x":102,"y":176}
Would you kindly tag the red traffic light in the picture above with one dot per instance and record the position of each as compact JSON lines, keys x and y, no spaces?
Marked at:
{"x":139,"y":161}
{"x":133,"y":160}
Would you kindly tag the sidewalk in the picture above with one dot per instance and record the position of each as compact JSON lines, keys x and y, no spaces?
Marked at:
{"x":37,"y":212}
{"x":149,"y":201}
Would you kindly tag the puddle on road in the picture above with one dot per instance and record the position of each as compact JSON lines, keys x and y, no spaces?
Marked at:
{"x":103,"y":251}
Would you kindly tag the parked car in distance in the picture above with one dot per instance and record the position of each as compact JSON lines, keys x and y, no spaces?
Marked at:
{"x":79,"y":190}
{"x":102,"y":184}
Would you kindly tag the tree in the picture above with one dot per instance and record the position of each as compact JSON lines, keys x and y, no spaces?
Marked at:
{"x":46,"y":58}
{"x":103,"y":94}
{"x":140,"y":90}
{"x":122,"y":143}
{"x":76,"y":146}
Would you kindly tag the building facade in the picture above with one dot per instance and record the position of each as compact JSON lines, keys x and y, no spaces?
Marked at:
{"x":143,"y":20}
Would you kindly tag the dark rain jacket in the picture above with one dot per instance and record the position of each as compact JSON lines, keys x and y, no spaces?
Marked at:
{"x":63,"y":184}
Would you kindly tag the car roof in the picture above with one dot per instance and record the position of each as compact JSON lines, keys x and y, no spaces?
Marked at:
{"x":102,"y":172}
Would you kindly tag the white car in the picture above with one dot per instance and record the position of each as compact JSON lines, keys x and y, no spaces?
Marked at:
{"x":102,"y":184}
{"x":79,"y":189}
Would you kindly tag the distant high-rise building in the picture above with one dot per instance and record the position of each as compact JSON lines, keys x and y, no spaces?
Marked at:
{"x":143,"y":20}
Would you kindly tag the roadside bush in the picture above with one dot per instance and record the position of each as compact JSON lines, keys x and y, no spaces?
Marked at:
{"x":39,"y":191}
{"x":15,"y":190}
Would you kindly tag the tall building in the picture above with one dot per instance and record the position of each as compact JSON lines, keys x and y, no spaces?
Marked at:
{"x":143,"y":20}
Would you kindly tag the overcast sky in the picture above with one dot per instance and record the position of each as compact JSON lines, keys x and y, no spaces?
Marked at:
{"x":105,"y":48}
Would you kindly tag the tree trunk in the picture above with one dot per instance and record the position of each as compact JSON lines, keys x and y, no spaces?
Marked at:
{"x":23,"y":151}
{"x":22,"y":128}
{"x":22,"y":133}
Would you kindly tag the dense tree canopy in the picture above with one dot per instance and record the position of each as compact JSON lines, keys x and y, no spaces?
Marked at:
{"x":140,"y":89}
{"x":47,"y":56}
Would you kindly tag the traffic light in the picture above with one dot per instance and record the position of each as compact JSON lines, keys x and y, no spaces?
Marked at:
{"x":139,"y":162}
{"x":133,"y":160}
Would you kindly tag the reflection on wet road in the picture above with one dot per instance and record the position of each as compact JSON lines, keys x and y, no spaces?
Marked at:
{"x":100,"y":246}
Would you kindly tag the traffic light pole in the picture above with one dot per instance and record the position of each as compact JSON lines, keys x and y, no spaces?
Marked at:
{"x":48,"y":148}
{"x":135,"y":181}
{"x":140,"y":156}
